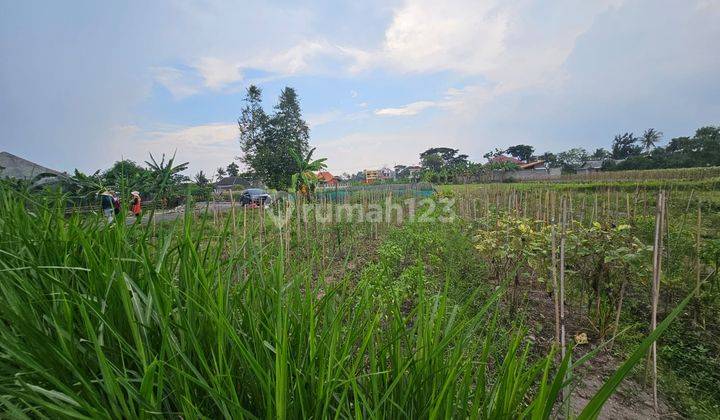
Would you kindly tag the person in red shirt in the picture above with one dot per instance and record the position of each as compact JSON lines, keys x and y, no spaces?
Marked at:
{"x":135,"y":204}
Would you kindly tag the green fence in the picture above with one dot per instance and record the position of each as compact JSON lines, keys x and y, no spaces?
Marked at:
{"x":351,"y":193}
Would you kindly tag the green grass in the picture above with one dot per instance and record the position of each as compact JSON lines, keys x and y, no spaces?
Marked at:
{"x":105,"y":321}
{"x":190,"y":320}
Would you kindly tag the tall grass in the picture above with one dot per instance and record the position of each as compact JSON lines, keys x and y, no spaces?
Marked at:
{"x":123,"y":321}
{"x":110,"y":321}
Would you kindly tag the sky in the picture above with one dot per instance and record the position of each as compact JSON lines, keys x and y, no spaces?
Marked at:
{"x":86,"y":83}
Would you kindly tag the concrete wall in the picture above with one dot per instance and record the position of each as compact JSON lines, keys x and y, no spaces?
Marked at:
{"x":526,"y":175}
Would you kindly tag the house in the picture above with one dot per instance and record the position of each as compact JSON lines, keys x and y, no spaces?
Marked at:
{"x":536,"y":165}
{"x":591,"y":166}
{"x":237,"y":183}
{"x":413,"y":171}
{"x":371,"y":175}
{"x":385,"y":173}
{"x":327,"y":178}
{"x":530,"y":171}
{"x":504,"y":159}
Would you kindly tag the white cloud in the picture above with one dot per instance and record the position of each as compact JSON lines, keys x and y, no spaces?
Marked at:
{"x":218,"y":73}
{"x":708,"y":5}
{"x":407,"y":110}
{"x":296,"y":59}
{"x":504,"y":42}
{"x":450,"y":35}
{"x":205,"y":146}
{"x":318,"y":119}
{"x":457,"y":100}
{"x":179,"y":83}
{"x":309,"y":56}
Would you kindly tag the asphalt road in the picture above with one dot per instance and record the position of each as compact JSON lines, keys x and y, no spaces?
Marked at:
{"x":173,"y":214}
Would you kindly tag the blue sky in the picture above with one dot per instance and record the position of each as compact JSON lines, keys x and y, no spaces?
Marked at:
{"x":85,"y":83}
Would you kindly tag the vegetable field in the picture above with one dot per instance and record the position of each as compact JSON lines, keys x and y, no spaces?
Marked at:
{"x":480,"y":301}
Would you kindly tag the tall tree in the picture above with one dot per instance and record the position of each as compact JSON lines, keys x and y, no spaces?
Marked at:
{"x":625,"y":145}
{"x":600,"y":153}
{"x":253,"y":125}
{"x":444,"y":162}
{"x":286,"y":131}
{"x":650,"y":138}
{"x":572,"y":159}
{"x":521,"y":151}
{"x":549,"y":157}
{"x":233,"y":169}
{"x":126,"y":173}
{"x":433,"y":161}
{"x":437,"y":158}
{"x":493,"y":153}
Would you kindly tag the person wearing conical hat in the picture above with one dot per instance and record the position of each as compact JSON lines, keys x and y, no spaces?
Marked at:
{"x":106,"y":203}
{"x":135,"y":204}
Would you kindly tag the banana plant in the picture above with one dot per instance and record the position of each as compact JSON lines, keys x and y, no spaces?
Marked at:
{"x":165,"y":175}
{"x":305,"y":180}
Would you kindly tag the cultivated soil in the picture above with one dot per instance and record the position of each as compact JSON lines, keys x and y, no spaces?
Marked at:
{"x":632,"y":400}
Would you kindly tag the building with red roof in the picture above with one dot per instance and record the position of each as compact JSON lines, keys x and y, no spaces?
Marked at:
{"x":327,"y":178}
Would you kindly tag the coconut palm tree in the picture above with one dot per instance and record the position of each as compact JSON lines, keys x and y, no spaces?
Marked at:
{"x":649,"y":138}
{"x":305,"y":180}
{"x":201,"y":179}
{"x":220,"y":173}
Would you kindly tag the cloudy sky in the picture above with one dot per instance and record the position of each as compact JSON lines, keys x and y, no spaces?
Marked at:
{"x":85,"y":83}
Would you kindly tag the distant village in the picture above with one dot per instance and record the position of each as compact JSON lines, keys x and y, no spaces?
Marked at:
{"x":534,"y":169}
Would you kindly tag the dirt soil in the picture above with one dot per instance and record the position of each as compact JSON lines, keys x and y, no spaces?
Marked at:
{"x":632,"y":400}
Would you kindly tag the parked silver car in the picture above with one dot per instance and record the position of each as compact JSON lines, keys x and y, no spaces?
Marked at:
{"x":256,"y":196}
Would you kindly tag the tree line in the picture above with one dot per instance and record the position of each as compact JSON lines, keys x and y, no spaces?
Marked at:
{"x":627,"y":152}
{"x":630,"y":152}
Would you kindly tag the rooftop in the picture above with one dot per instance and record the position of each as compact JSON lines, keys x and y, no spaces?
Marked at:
{"x":17,"y":167}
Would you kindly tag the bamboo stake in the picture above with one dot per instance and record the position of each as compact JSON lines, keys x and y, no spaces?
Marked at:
{"x":697,"y":250}
{"x":608,"y":206}
{"x":657,"y":261}
{"x":262,"y":225}
{"x":556,"y":299}
{"x":562,"y":287}
{"x":595,"y":208}
{"x":232,"y":212}
{"x":298,"y":230}
{"x":288,"y":228}
{"x":245,"y":236}
{"x":627,"y":206}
